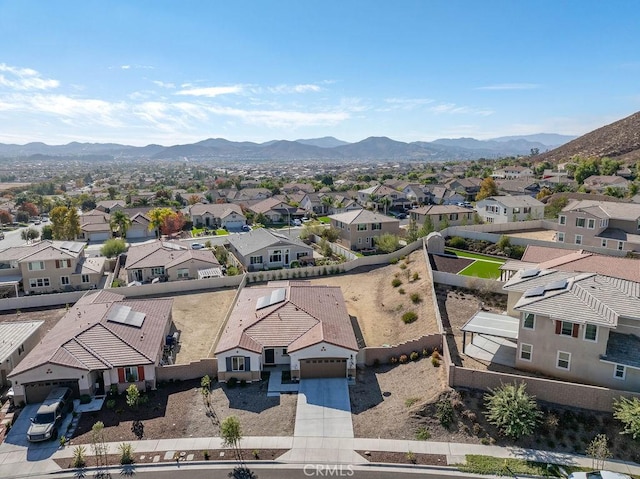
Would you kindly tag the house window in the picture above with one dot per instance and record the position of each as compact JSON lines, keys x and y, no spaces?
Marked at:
{"x":63,"y":263}
{"x":566,"y":328}
{"x":560,"y":237}
{"x":603,"y":243}
{"x":359,"y":240}
{"x":562,"y":220}
{"x":131,"y":374}
{"x":362,"y":227}
{"x":620,"y":245}
{"x":255,"y":260}
{"x":619,"y":371}
{"x":284,"y":352}
{"x":85,"y":278}
{"x":39,"y":282}
{"x":301,"y":255}
{"x":36,"y":266}
{"x":526,"y":210}
{"x":453,"y":216}
{"x":64,"y":280}
{"x":591,"y":223}
{"x":529,"y":321}
{"x":183,"y":273}
{"x":376,"y":226}
{"x":563,"y":360}
{"x":578,"y":239}
{"x":157,"y":271}
{"x":590,"y":332}
{"x":275,"y":256}
{"x":237,"y":363}
{"x":526,"y":352}
{"x":580,"y":222}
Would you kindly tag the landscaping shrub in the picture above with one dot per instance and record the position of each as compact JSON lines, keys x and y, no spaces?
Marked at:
{"x":458,"y":242}
{"x":393,"y":261}
{"x":401,"y":291}
{"x":395,"y":282}
{"x":415,"y":298}
{"x":435,"y":361}
{"x":436,"y":354}
{"x":126,"y":453}
{"x":403,"y":359}
{"x":111,"y":403}
{"x":444,"y":412}
{"x":393,"y":360}
{"x":232,"y":382}
{"x":416,"y":276}
{"x":85,"y":399}
{"x":206,"y":455}
{"x":409,"y":317}
{"x":512,"y":410}
{"x":414,"y":356}
{"x":403,"y":266}
{"x":79,"y":461}
{"x":411,"y":401}
{"x":423,"y":434}
{"x":425,"y":353}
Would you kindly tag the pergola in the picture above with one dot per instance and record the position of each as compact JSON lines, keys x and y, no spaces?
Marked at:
{"x":10,"y":281}
{"x":490,"y":324}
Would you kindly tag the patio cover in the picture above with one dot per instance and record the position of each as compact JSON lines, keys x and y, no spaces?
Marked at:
{"x":493,"y":324}
{"x":210,"y":273}
{"x":11,"y":281}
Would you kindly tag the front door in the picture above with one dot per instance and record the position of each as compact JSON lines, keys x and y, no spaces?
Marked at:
{"x":138,"y":274}
{"x":269,"y":356}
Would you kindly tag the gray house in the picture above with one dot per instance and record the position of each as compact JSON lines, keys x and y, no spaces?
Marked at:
{"x":265,"y":249}
{"x":504,"y":209}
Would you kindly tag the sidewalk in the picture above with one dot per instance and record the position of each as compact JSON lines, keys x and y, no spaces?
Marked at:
{"x":15,"y":461}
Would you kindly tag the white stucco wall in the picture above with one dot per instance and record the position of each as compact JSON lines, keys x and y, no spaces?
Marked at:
{"x":322,"y":350}
{"x":49,"y":372}
{"x":256,"y":359}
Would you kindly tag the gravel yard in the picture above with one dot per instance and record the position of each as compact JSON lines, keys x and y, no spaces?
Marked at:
{"x":383,"y":397}
{"x":378,"y":306}
{"x":177,"y":410}
{"x":545,"y":235}
{"x":198,"y":317}
{"x":50,"y":316}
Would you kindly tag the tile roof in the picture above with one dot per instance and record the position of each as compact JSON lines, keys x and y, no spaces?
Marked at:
{"x":270,"y":204}
{"x":164,"y":254}
{"x":538,"y":254}
{"x":13,"y":334}
{"x":362,"y":216}
{"x":441,"y":210}
{"x":515,"y":201}
{"x":607,"y":209}
{"x":219,"y":210}
{"x":261,"y":238}
{"x":85,"y":339}
{"x":309,"y":314}
{"x":587,"y":298}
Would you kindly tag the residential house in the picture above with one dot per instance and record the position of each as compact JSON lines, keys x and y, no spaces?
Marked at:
{"x":275,"y":210}
{"x":140,"y":227}
{"x":95,"y":226}
{"x":579,"y":327}
{"x":513,"y":173}
{"x":18,"y":339}
{"x":382,"y":197}
{"x":108,"y":205}
{"x":415,"y":193}
{"x":601,"y":183}
{"x":441,"y":195}
{"x":297,"y":324}
{"x":262,"y":248}
{"x":518,"y":187}
{"x":226,"y":215}
{"x":467,"y":187}
{"x":167,"y":261}
{"x":505,"y":209}
{"x":358,"y":229}
{"x":328,"y":203}
{"x":104,"y":340}
{"x":442,"y":215}
{"x":605,"y":224}
{"x":297,"y":188}
{"x":51,"y":266}
{"x":247,"y":194}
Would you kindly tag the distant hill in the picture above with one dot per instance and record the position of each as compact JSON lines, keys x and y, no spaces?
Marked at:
{"x":324,"y":142}
{"x":508,"y":145}
{"x":327,"y":148}
{"x":620,"y":140}
{"x":548,"y":139}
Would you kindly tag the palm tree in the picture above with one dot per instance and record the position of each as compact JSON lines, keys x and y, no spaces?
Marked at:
{"x":386,"y":202}
{"x":327,"y":202}
{"x":120,"y":221}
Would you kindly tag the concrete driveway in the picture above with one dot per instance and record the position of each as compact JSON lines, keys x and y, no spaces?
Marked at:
{"x":324,"y":409}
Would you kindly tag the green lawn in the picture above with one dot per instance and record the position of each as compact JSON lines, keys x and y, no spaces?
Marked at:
{"x":482,"y":269}
{"x":221,"y":232}
{"x":324,"y":219}
{"x":498,"y":466}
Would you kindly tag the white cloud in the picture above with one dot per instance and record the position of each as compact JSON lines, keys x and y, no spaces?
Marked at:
{"x":24,"y":79}
{"x":452,"y":108}
{"x":282,"y":118}
{"x":162,"y":84}
{"x":510,"y":86}
{"x":125,"y":67}
{"x":303,"y":88}
{"x":210,"y":92}
{"x":406,"y":103}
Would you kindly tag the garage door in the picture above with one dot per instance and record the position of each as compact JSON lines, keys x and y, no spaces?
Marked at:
{"x":234,"y":225}
{"x":323,"y":368}
{"x":37,"y":392}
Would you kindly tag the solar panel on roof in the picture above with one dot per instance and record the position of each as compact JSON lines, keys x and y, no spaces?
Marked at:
{"x":124,"y":315}
{"x":65,"y":245}
{"x":530,"y":273}
{"x":556,"y":285}
{"x":77,"y":247}
{"x":276,"y":296}
{"x":533,"y":292}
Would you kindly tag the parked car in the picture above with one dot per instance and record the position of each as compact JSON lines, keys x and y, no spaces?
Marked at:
{"x":1,"y":235}
{"x":246,"y":228}
{"x":296,"y":222}
{"x":598,"y":475}
{"x":197,"y":246}
{"x":50,"y":415}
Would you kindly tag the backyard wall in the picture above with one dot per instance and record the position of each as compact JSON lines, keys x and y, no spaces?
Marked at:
{"x":549,"y":390}
{"x":41,"y":300}
{"x":369,"y":355}
{"x":470,"y":282}
{"x":193,"y":370}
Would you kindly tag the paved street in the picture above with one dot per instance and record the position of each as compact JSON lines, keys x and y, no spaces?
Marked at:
{"x":12,"y":238}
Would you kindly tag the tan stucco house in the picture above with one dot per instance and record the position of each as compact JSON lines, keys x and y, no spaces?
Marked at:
{"x":358,"y":229}
{"x":294,"y":323}
{"x":103,"y":340}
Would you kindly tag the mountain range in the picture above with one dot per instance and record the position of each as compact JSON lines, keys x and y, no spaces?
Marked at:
{"x":327,"y":148}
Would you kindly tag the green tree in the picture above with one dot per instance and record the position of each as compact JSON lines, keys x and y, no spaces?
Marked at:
{"x":633,"y":189}
{"x":387,"y":243}
{"x":231,"y":434}
{"x":133,"y":396}
{"x":71,"y":224}
{"x":488,"y":188}
{"x":598,"y":451}
{"x":47,"y":232}
{"x":512,"y":410}
{"x":121,"y":222}
{"x":412,"y":231}
{"x":29,"y":234}
{"x":5,"y":217}
{"x":585,"y":169}
{"x":627,"y":411}
{"x":221,"y":254}
{"x":331,"y":234}
{"x":58,"y":219}
{"x":609,"y":166}
{"x":157,"y":217}
{"x":554,"y":206}
{"x":427,"y":228}
{"x":113,"y":247}
{"x":112,"y":192}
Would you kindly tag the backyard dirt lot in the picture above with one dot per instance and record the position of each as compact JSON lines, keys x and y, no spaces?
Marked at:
{"x":178,"y":410}
{"x":49,"y":316}
{"x":383,"y":397}
{"x":199,"y":317}
{"x":379,"y":306}
{"x":544,"y":235}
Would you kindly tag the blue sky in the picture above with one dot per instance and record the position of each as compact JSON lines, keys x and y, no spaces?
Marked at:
{"x":170,"y":72}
